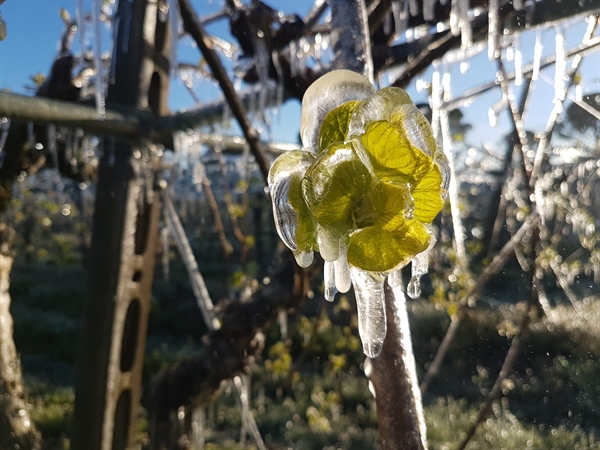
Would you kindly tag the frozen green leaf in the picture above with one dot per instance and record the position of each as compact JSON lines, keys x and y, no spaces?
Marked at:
{"x":376,"y":250}
{"x":335,"y":125}
{"x":335,"y":184}
{"x":386,"y":205}
{"x":392,"y":155}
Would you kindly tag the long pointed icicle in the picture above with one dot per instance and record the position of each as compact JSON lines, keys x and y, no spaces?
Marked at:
{"x":370,"y":302}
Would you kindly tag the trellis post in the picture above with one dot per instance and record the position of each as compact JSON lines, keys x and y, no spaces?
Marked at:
{"x":121,"y":265}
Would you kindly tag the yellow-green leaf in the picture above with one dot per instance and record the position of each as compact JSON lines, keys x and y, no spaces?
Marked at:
{"x":427,"y":196}
{"x":392,"y":155}
{"x":335,"y":184}
{"x":335,"y":125}
{"x":386,"y":205}
{"x":376,"y":250}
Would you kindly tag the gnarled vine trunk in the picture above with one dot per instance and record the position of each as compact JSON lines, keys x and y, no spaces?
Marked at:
{"x":16,"y":428}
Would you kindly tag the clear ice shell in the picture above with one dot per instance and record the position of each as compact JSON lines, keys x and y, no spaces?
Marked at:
{"x":442,"y":162}
{"x":395,"y":278}
{"x":329,"y":244}
{"x":304,"y":259}
{"x":380,"y":106}
{"x":287,"y":166}
{"x":370,"y":302}
{"x":328,"y":92}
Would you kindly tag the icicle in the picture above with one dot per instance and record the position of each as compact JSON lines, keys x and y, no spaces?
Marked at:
{"x":282,"y":318}
{"x":174,"y":23}
{"x":4,"y":129}
{"x":494,"y":110}
{"x":280,"y":80}
{"x":459,"y":230}
{"x":343,"y":280}
{"x":100,"y":101}
{"x":329,"y":281}
{"x":493,"y":29}
{"x":164,"y":237}
{"x":293,"y":59}
{"x":414,"y":7}
{"x":329,"y":245}
{"x":401,"y":16}
{"x":517,"y":5}
{"x":579,"y":92}
{"x":429,"y":10}
{"x":51,"y":131}
{"x":464,"y":67}
{"x":419,"y":267}
{"x":454,"y":18}
{"x":537,"y":55}
{"x":560,"y":67}
{"x":198,"y":421}
{"x":518,"y":60}
{"x":370,"y":302}
{"x":261,"y":62}
{"x":466,"y":32}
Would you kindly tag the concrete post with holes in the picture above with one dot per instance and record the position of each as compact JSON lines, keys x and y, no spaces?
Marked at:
{"x":121,"y":263}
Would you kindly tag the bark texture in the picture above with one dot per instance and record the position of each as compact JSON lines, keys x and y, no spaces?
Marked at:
{"x":394,"y":377}
{"x":16,"y":429}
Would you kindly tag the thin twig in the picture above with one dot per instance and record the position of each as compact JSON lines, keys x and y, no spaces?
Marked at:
{"x":497,"y":263}
{"x":507,"y":367}
{"x":193,"y":26}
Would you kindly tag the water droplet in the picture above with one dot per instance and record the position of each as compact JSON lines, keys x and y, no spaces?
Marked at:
{"x":414,"y":287}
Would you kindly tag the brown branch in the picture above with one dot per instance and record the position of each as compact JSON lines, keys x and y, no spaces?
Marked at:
{"x":399,"y":409}
{"x":192,"y":25}
{"x":228,"y":350}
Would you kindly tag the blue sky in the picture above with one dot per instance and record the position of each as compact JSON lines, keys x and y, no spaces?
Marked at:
{"x":34,"y":29}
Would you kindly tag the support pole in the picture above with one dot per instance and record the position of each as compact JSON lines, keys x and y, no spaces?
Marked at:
{"x":121,"y":268}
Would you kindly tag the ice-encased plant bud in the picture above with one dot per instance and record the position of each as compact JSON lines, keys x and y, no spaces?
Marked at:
{"x":363,"y":194}
{"x":328,"y":92}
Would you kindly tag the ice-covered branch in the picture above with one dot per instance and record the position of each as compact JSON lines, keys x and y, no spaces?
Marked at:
{"x":193,"y":26}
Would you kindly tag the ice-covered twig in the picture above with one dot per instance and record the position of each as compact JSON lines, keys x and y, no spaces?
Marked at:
{"x":394,"y":377}
{"x":192,"y":25}
{"x":351,"y":38}
{"x":241,"y":385}
{"x":558,"y":104}
{"x":185,"y":250}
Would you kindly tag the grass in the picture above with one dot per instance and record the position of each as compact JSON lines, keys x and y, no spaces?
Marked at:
{"x":551,"y":402}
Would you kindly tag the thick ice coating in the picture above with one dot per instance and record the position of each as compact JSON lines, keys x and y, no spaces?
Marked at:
{"x":363,"y":194}
{"x":328,"y":92}
{"x":370,"y":303}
